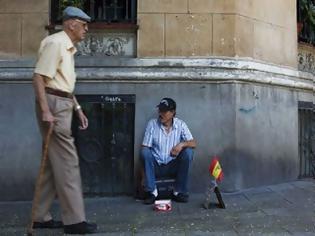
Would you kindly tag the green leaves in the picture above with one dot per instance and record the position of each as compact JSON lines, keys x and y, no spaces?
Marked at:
{"x":307,"y":19}
{"x":307,"y":12}
{"x":65,"y":3}
{"x":75,"y":3}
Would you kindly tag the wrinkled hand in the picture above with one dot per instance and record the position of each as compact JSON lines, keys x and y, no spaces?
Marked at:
{"x":177,"y":149}
{"x":84,"y":123}
{"x":48,"y":117}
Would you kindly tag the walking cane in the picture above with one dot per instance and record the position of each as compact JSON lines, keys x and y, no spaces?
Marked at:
{"x":39,"y":178}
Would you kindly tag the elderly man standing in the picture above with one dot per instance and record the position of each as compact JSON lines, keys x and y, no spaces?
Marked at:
{"x":54,"y":80}
{"x":167,"y":150}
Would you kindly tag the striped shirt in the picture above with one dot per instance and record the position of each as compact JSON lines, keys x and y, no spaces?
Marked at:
{"x":162,"y":142}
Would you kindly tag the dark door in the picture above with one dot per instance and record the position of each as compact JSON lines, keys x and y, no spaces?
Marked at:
{"x":306,"y":139}
{"x":106,"y":148}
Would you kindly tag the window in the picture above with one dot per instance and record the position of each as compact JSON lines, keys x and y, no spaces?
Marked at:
{"x":112,"y":31}
{"x":106,"y":11}
{"x":306,"y":21}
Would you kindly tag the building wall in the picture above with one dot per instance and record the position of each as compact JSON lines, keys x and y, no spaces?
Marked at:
{"x":266,"y":140}
{"x":264,"y":30}
{"x":224,"y":62}
{"x":22,"y":26}
{"x":242,"y":111}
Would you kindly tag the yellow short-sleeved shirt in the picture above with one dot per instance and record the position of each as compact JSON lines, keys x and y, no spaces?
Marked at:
{"x":56,"y":61}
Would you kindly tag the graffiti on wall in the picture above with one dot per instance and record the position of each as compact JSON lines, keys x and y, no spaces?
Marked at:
{"x":306,"y":62}
{"x":306,"y":58}
{"x":98,"y":44}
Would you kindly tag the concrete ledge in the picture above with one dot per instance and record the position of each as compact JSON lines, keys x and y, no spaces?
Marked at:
{"x":137,"y":70}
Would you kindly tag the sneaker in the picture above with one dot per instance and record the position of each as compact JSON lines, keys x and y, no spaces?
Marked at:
{"x":149,"y":199}
{"x":50,"y":224}
{"x":180,"y":197}
{"x":80,"y":228}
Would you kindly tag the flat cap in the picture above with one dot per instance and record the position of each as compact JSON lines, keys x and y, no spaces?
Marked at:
{"x":75,"y":13}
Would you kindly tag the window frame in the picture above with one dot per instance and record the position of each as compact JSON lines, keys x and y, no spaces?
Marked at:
{"x":128,"y":22}
{"x":305,"y":31}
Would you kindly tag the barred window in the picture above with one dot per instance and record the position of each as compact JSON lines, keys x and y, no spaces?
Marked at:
{"x":107,"y":11}
{"x":306,"y":21}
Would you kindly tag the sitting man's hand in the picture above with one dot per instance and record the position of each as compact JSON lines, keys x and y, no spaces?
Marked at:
{"x":177,"y":149}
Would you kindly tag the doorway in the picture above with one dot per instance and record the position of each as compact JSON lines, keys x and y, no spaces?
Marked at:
{"x":106,"y":148}
{"x":306,"y":140}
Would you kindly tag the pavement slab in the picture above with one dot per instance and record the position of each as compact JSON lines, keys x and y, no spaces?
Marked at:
{"x":283,"y":209}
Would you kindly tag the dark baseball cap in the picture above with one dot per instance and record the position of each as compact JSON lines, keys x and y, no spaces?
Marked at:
{"x":167,"y":104}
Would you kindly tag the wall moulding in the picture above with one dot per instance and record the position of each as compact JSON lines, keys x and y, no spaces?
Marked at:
{"x":140,"y":70}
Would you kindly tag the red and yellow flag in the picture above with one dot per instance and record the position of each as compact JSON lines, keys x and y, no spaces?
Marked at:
{"x":215,"y":169}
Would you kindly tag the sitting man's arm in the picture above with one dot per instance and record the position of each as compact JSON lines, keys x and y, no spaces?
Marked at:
{"x":148,"y":135}
{"x":179,"y":147}
{"x":187,"y":141}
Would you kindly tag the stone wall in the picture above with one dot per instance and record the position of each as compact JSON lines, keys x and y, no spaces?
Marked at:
{"x":244,"y":111}
{"x":264,"y":30}
{"x":22,"y":26}
{"x":306,"y":57}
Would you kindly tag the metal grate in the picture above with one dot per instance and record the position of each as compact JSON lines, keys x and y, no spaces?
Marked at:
{"x":306,"y":139}
{"x":110,"y":11}
{"x":106,"y":148}
{"x":305,"y":21}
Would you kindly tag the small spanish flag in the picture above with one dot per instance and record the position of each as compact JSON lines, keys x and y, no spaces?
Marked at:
{"x":215,"y":169}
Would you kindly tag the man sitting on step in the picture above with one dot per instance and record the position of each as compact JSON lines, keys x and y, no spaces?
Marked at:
{"x":167,"y":149}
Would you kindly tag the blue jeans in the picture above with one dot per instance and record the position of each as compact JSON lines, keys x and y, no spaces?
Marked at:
{"x":178,"y":168}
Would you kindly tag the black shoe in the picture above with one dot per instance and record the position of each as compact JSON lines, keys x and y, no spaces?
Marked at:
{"x":149,"y":199}
{"x":51,"y":224}
{"x":80,"y":228}
{"x":180,"y":197}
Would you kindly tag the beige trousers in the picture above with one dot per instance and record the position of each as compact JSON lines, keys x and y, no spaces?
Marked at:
{"x":62,"y":172}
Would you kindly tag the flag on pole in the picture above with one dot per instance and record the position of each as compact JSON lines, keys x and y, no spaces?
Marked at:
{"x":215,"y":169}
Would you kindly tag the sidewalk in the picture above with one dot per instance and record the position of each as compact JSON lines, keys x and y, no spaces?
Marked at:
{"x":284,"y":209}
